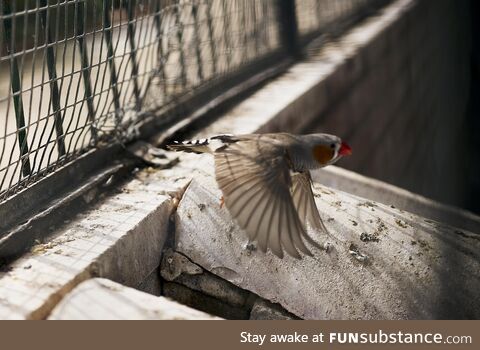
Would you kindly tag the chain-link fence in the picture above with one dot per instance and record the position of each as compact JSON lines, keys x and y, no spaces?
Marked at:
{"x":80,"y":74}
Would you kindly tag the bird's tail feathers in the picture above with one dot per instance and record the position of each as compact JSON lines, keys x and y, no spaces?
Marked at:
{"x":201,"y":146}
{"x":192,"y":146}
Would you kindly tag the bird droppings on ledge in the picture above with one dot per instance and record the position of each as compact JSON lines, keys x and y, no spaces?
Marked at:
{"x":367,"y":204}
{"x":369,"y":237}
{"x":401,"y":223}
{"x":328,"y":247}
{"x":337,"y":204}
{"x":250,"y":247}
{"x":355,"y":252}
{"x":381,"y":227}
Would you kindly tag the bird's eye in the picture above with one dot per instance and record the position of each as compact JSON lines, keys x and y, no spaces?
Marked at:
{"x":332,"y":145}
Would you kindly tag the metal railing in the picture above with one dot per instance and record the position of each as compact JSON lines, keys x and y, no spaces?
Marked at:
{"x":82,"y":74}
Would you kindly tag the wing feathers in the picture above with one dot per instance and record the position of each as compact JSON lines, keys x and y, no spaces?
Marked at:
{"x":304,"y":201}
{"x":254,"y":178}
{"x":274,"y":235}
{"x":261,"y":216}
{"x":291,"y":232}
{"x":297,"y":238}
{"x":265,"y":225}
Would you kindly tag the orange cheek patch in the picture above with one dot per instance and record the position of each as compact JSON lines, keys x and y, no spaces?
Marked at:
{"x":323,"y":154}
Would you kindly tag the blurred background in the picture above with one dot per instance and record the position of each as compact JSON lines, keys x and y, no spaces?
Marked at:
{"x":412,"y":119}
{"x":76,"y":75}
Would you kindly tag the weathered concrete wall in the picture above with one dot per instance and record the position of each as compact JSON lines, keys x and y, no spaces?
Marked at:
{"x":401,"y":102}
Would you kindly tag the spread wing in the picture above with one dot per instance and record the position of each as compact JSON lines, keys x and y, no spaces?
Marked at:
{"x":255,"y":180}
{"x":304,"y":202}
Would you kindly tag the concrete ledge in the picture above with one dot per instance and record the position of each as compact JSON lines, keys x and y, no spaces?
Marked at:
{"x":385,"y":193}
{"x":386,"y":263}
{"x":120,"y":238}
{"x":102,"y":299}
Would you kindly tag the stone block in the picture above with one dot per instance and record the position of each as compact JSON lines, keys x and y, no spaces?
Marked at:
{"x":102,"y":299}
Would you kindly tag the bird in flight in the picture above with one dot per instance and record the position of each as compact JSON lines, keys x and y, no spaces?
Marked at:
{"x":266,"y":183}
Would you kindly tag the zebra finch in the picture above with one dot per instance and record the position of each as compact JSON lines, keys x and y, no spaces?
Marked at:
{"x":266,"y":184}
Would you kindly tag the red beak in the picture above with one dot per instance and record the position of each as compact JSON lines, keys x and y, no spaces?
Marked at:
{"x":345,"y":150}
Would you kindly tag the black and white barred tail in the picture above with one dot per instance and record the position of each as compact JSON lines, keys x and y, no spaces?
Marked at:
{"x":208,"y":145}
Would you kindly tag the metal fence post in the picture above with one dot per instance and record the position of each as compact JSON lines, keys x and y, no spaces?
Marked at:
{"x":288,"y":25}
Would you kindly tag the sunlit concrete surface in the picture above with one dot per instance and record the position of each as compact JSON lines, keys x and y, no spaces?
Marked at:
{"x":102,"y":299}
{"x":121,"y":238}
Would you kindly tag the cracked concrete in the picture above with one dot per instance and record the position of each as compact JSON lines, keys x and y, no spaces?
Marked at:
{"x":191,"y":284}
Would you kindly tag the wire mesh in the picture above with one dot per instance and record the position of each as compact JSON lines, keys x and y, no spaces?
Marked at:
{"x":80,"y":74}
{"x":74,"y":73}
